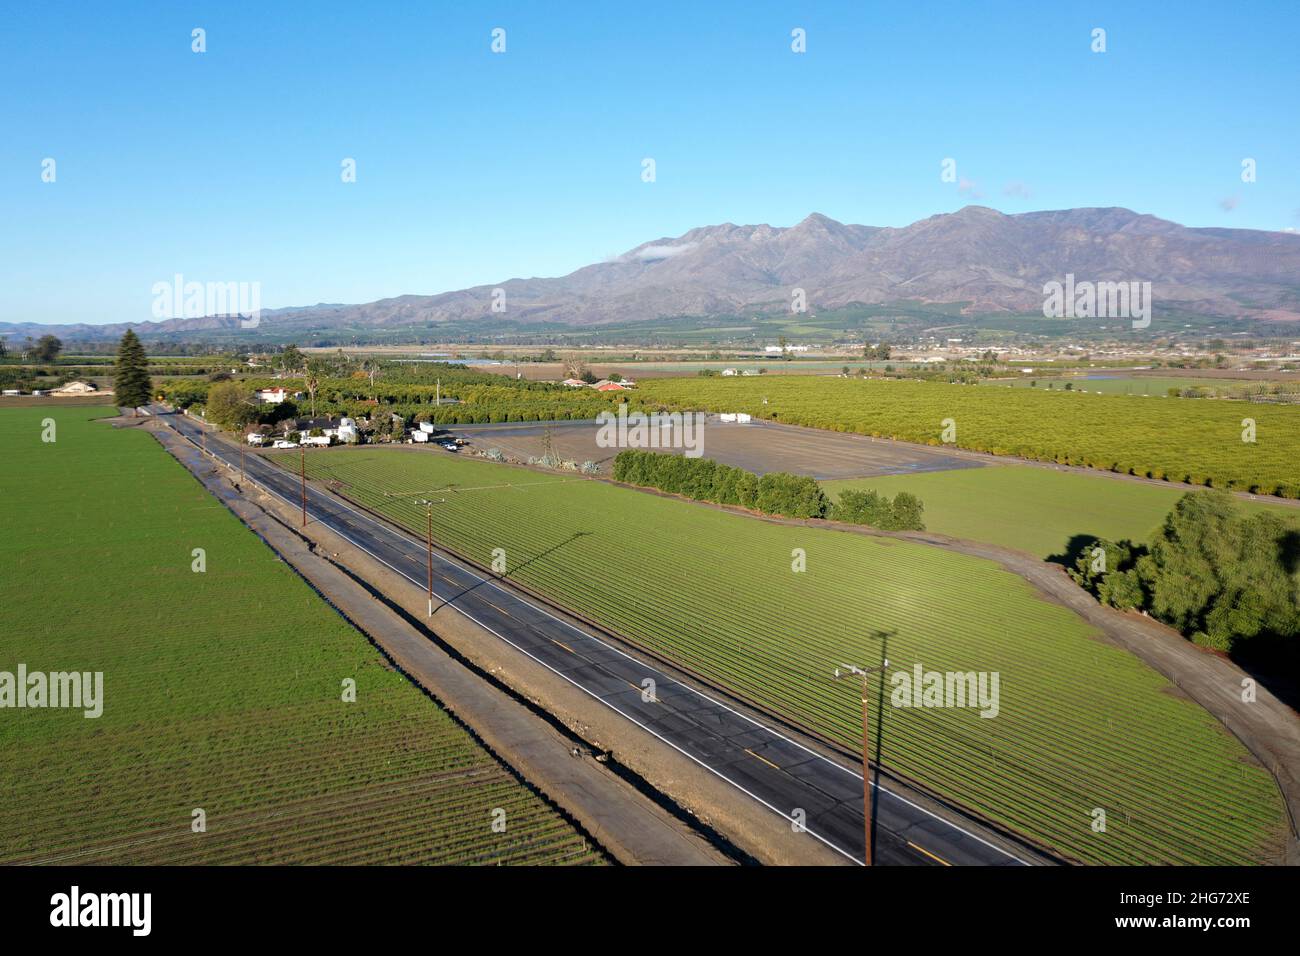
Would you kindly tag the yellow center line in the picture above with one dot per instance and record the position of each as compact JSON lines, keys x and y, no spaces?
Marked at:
{"x":501,"y":609}
{"x":764,"y":759}
{"x":563,"y":645}
{"x":921,"y":849}
{"x":641,"y":690}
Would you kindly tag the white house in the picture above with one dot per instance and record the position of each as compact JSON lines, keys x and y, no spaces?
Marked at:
{"x":272,"y":396}
{"x":346,"y":432}
{"x":426,"y":428}
{"x":729,"y":371}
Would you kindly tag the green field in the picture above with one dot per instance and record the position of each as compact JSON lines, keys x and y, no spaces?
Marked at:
{"x":1184,"y":442}
{"x":1081,"y":724}
{"x":222,"y":689}
{"x":1148,"y":386}
{"x":1035,"y":509}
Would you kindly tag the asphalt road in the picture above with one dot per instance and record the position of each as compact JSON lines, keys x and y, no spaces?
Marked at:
{"x":761,"y":762}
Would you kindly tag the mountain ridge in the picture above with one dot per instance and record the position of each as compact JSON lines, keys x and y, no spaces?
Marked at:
{"x":987,"y":260}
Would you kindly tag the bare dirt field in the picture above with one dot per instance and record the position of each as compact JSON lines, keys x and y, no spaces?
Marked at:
{"x":760,"y":447}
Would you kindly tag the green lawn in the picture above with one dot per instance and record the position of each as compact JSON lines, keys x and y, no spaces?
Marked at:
{"x":1036,"y":509}
{"x":222,"y":689}
{"x":1081,"y":724}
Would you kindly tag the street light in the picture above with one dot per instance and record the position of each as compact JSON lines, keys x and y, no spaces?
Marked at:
{"x":844,"y":672}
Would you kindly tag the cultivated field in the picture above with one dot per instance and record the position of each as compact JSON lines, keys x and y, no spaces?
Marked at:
{"x":760,"y":447}
{"x":222,"y":689}
{"x":1080,"y":725}
{"x":1194,"y":442}
{"x":1037,"y":509}
{"x":1114,"y":384}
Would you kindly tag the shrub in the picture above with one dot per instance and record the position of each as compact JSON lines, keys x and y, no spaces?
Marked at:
{"x":871,"y":508}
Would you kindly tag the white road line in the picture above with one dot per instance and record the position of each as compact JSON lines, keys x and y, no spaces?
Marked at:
{"x":406,"y":541}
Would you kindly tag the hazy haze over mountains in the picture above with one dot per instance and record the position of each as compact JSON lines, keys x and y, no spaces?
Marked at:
{"x":990,"y":261}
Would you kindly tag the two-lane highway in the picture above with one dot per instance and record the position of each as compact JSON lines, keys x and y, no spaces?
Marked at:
{"x":803,"y":786}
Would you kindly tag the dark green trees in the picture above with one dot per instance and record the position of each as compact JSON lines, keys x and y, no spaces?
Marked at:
{"x":131,"y":384}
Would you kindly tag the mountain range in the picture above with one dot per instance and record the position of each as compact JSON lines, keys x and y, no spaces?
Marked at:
{"x":981,"y":259}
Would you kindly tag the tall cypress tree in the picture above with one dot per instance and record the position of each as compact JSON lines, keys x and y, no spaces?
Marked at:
{"x":131,"y":382}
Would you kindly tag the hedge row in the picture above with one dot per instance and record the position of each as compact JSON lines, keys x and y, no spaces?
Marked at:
{"x":777,"y":493}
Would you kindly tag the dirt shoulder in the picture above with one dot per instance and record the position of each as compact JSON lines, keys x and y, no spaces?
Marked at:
{"x":627,"y":822}
{"x":1267,"y":726}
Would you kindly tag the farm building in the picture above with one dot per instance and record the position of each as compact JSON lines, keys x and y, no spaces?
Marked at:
{"x":604,"y":385}
{"x":340,"y":429}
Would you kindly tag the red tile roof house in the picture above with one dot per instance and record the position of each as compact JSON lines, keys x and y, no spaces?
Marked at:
{"x":607,"y":386}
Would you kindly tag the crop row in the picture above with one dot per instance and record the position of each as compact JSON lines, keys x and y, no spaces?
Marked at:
{"x":222,"y":688}
{"x":1080,"y":724}
{"x":1219,"y":444}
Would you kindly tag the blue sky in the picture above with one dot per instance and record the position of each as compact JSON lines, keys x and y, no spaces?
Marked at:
{"x":474,"y":167}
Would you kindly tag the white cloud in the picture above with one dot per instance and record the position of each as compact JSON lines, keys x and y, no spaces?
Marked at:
{"x":655,"y":253}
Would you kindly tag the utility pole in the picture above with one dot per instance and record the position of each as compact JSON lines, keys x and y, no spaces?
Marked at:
{"x":303,"y":450}
{"x":428,"y":512}
{"x":850,"y":670}
{"x":548,"y":447}
{"x":437,"y":401}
